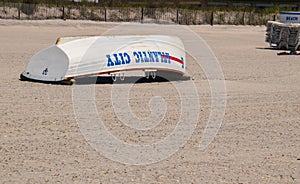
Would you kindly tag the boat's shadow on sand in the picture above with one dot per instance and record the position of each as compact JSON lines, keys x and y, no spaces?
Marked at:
{"x":127,"y":80}
{"x":109,"y":80}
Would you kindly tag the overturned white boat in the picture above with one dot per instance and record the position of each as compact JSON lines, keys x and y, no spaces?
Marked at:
{"x":76,"y":57}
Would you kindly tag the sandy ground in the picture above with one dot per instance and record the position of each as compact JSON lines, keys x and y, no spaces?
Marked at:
{"x":258,"y":142}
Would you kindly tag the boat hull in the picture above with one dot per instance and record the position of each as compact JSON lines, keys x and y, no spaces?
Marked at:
{"x":96,"y":55}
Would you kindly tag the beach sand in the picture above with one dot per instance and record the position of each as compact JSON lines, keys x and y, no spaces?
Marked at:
{"x":258,"y":142}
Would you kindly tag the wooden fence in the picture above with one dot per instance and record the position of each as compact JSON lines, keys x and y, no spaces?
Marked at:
{"x":132,"y":14}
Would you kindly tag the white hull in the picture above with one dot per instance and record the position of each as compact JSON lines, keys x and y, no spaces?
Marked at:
{"x":95,"y":55}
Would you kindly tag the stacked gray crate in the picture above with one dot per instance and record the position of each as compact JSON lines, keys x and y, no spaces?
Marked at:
{"x":283,"y":36}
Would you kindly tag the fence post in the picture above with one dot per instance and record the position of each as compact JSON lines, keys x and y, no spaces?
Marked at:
{"x":142,"y":16}
{"x":244,"y":17}
{"x":104,"y":14}
{"x":63,"y":13}
{"x":19,"y":11}
{"x":177,"y":16}
{"x":212,"y":18}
